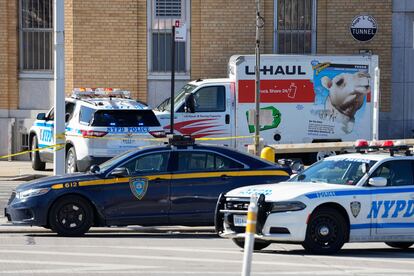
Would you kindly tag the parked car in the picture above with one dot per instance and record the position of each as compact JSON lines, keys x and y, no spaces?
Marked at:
{"x":174,"y":184}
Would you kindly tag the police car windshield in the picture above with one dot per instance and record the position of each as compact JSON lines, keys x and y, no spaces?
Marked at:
{"x":166,"y":104}
{"x":337,"y":171}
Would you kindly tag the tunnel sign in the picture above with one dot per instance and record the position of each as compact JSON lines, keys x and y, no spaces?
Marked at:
{"x":363,"y":27}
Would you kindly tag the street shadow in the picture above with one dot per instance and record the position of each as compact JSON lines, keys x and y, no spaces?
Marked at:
{"x":351,"y":252}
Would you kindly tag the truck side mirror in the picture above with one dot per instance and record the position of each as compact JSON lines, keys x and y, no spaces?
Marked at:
{"x":189,"y":106}
{"x":41,"y":116}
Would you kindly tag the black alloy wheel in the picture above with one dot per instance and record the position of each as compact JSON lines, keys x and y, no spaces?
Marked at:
{"x":326,"y":232}
{"x":37,"y":163}
{"x":71,"y":216}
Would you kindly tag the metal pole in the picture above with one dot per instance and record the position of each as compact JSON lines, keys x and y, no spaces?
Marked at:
{"x":172,"y":79}
{"x":375,"y":115}
{"x":249,"y":236}
{"x":257,"y":72}
{"x":59,"y":84}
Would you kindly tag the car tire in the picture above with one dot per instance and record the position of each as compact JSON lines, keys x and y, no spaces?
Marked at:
{"x":400,"y":245}
{"x":71,"y":216}
{"x":258,"y":244}
{"x":70,"y":162}
{"x":326,"y":232}
{"x":37,"y":163}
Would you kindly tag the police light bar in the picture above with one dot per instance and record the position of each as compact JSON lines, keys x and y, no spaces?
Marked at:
{"x":181,"y":140}
{"x":78,"y":93}
{"x":362,"y":146}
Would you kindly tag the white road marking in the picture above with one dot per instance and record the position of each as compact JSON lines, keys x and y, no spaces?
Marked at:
{"x":188,"y":259}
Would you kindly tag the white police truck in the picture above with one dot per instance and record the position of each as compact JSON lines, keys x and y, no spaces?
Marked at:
{"x":357,"y":197}
{"x":100,"y":123}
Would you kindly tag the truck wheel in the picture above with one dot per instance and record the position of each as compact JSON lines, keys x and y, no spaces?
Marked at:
{"x":71,"y":216}
{"x":70,"y":165}
{"x":258,"y":244}
{"x":400,"y":245}
{"x":37,"y":164}
{"x":326,"y":232}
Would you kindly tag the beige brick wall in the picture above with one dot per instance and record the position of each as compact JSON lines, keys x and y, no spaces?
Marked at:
{"x":333,"y":35}
{"x":106,"y":45}
{"x":220,"y":29}
{"x":9,"y":92}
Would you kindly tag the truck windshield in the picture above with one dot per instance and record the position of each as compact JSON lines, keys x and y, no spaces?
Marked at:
{"x":166,"y":104}
{"x":339,"y":171}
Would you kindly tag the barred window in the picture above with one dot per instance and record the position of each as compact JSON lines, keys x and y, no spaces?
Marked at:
{"x":163,"y":14}
{"x":36,"y":35}
{"x":295,"y":27}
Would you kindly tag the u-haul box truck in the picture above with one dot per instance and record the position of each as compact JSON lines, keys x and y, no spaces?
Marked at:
{"x":303,"y":99}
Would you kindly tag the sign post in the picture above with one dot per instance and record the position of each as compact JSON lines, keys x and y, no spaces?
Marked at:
{"x":259,"y":25}
{"x":59,"y":85}
{"x":172,"y":77}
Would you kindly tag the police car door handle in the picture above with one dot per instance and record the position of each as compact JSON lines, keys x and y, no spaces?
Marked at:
{"x":225,"y":177}
{"x":158,"y":179}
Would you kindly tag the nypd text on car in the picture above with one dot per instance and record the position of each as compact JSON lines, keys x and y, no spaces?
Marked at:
{"x":357,"y":197}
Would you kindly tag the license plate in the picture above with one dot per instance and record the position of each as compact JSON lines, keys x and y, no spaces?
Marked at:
{"x":239,"y":220}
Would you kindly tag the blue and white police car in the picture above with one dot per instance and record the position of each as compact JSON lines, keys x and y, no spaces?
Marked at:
{"x":356,"y":197}
{"x":100,"y":124}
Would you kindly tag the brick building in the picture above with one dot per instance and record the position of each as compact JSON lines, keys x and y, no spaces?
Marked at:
{"x":125,"y":43}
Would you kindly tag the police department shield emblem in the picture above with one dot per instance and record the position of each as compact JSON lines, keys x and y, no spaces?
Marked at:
{"x":355,"y":208}
{"x":138,"y":187}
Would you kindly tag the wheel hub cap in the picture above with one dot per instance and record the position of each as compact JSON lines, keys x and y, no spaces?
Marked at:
{"x":324,"y":231}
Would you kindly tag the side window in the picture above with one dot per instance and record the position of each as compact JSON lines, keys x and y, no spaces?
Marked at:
{"x":205,"y":161}
{"x":151,"y":163}
{"x":86,"y":114}
{"x":210,"y":99}
{"x":69,"y":108}
{"x":397,"y":173}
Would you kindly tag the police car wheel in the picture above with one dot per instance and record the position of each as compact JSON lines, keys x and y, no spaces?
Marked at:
{"x":37,"y":164}
{"x":71,"y":216}
{"x":71,"y":161}
{"x":258,"y":245}
{"x":326,"y":232}
{"x":400,"y":245}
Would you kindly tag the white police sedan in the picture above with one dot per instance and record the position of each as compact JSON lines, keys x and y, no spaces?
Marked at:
{"x":359,"y":197}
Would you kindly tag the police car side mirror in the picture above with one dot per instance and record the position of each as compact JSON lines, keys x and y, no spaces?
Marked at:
{"x":41,"y":116}
{"x":120,"y":172}
{"x":94,"y":169}
{"x":377,"y":181}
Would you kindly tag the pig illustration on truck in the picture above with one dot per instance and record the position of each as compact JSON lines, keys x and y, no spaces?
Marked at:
{"x":303,"y":99}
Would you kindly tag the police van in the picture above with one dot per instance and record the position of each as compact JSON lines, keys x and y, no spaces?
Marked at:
{"x":100,"y":123}
{"x":357,"y":197}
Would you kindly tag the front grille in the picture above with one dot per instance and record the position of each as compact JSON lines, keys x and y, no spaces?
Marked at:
{"x":237,"y":205}
{"x":13,"y":195}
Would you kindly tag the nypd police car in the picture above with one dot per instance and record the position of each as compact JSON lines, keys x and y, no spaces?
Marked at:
{"x":357,"y":197}
{"x":174,"y":184}
{"x":100,"y":124}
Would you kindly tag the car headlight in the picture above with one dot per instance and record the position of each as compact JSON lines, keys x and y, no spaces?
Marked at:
{"x":285,"y":206}
{"x":32,"y":192}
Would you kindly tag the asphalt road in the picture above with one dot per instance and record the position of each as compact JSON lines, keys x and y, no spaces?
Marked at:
{"x":174,"y":251}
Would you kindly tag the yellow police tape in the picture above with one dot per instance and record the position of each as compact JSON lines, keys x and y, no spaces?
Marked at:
{"x":62,"y":136}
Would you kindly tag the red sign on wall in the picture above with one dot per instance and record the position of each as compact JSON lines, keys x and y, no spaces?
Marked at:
{"x":277,"y":91}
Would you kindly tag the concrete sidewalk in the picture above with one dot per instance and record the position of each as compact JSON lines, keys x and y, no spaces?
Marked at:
{"x":22,"y":170}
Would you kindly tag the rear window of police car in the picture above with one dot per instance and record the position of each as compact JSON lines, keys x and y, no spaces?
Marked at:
{"x":118,"y":118}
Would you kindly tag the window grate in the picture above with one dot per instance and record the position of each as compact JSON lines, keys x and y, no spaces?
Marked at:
{"x":24,"y":144}
{"x":36,"y":35}
{"x":294,"y":28}
{"x":168,"y":8}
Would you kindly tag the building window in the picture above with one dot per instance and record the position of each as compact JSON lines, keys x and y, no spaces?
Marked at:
{"x":162,"y":16}
{"x":36,"y":35}
{"x":295,"y":26}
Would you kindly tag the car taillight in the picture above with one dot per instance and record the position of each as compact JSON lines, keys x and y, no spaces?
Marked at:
{"x":93,"y":133}
{"x":158,"y":134}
